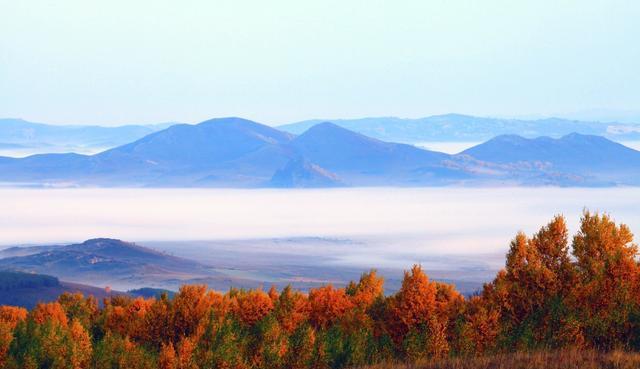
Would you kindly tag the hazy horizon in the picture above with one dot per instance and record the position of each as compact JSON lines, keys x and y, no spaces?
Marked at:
{"x":606,"y":116}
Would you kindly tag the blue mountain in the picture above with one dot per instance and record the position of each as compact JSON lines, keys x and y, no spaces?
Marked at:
{"x":19,"y":133}
{"x":458,"y":127}
{"x":235,"y":152}
{"x":226,"y":152}
{"x":594,"y":158}
{"x":359,"y":160}
{"x":340,"y":149}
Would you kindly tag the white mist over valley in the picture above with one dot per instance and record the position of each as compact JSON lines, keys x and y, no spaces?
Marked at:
{"x":372,"y":227}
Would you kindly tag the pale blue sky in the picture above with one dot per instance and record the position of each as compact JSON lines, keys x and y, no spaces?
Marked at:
{"x":114,"y":62}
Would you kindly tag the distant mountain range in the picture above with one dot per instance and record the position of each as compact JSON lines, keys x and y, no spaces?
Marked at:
{"x":235,"y":152}
{"x":21,"y":135}
{"x":461,"y":128}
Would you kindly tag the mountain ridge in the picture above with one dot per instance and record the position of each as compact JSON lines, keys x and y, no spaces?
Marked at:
{"x":467,"y":128}
{"x":239,"y":153}
{"x":17,"y":133}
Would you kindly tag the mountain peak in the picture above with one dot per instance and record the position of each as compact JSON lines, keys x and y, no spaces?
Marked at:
{"x":329,"y":127}
{"x":512,"y":140}
{"x":237,"y":121}
{"x":206,"y":144}
{"x":102,"y":242}
{"x":331,"y":133}
{"x":579,"y":137}
{"x":108,"y":246}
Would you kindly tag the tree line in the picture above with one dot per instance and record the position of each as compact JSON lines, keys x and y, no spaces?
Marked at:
{"x":554,"y":292}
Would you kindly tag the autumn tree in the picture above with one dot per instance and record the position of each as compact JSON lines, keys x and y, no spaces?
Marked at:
{"x":190,"y":305}
{"x":301,"y":345}
{"x":479,"y":328}
{"x":167,"y":358}
{"x":158,"y":323}
{"x":326,"y":305}
{"x":186,"y":357}
{"x":291,"y":309}
{"x":269,"y":344}
{"x":116,"y":352}
{"x":49,"y":312}
{"x":76,"y":306}
{"x":530,"y":293}
{"x":79,"y":347}
{"x":608,"y":291}
{"x":10,"y":316}
{"x":223,"y":343}
{"x":252,"y":306}
{"x":369,"y":288}
{"x":127,"y":317}
{"x":413,"y":305}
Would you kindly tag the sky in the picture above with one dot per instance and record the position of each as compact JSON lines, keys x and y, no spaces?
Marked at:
{"x":121,"y":61}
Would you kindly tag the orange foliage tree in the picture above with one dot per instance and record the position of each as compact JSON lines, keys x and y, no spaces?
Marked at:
{"x":253,"y":306}
{"x":607,"y":294}
{"x":413,"y":305}
{"x":49,"y":312}
{"x":292,"y":309}
{"x":326,"y":305}
{"x":10,"y":316}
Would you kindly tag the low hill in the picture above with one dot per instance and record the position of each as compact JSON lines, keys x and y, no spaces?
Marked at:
{"x":27,"y":289}
{"x":108,"y":262}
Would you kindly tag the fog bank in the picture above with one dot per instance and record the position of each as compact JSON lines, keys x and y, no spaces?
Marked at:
{"x":451,"y":220}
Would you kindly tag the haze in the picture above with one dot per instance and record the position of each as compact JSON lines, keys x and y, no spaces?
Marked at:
{"x":388,"y":226}
{"x":148,"y":61}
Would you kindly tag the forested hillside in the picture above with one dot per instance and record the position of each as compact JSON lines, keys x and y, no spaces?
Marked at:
{"x":554,"y":293}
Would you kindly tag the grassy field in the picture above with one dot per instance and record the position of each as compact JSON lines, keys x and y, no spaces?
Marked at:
{"x":565,"y":359}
